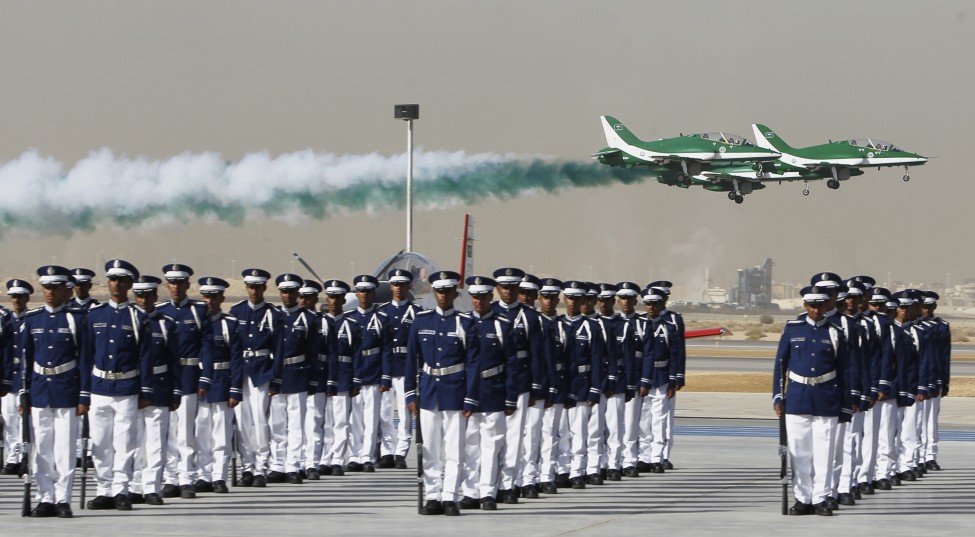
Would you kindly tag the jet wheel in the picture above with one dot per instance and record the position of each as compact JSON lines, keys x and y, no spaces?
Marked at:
{"x":833,"y":183}
{"x":906,"y":177}
{"x":805,"y":192}
{"x":732,"y":195}
{"x":739,"y":199}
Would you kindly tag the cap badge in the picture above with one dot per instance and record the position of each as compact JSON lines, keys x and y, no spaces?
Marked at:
{"x":116,"y":264}
{"x":508,"y":272}
{"x":477,"y":281}
{"x":15,"y":283}
{"x":176,"y":268}
{"x":50,"y":271}
{"x":287,"y":277}
{"x":254,"y":273}
{"x":443,"y":275}
{"x":824,"y":277}
{"x":209,"y":281}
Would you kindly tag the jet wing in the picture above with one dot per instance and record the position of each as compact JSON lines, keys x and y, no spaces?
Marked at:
{"x":606,"y":153}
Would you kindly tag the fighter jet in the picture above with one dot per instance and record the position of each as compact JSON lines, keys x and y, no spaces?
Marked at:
{"x":839,"y":160}
{"x":676,"y":160}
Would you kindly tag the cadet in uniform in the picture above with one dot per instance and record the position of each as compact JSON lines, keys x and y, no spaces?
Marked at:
{"x":488,"y":389}
{"x":907,"y":342}
{"x":679,"y":355}
{"x":19,"y":292}
{"x":942,"y":362}
{"x":615,"y":398}
{"x":658,"y":364}
{"x":118,"y":341}
{"x":879,"y":420}
{"x":631,"y":354}
{"x":554,"y":427}
{"x":82,"y":288}
{"x":368,"y":368}
{"x":160,"y":395}
{"x":342,"y":338}
{"x":528,"y":294}
{"x":191,"y":323}
{"x":315,"y":403}
{"x":400,"y":312}
{"x":220,"y":388}
{"x":51,"y":343}
{"x":441,"y":346}
{"x":258,"y":321}
{"x":808,"y":387}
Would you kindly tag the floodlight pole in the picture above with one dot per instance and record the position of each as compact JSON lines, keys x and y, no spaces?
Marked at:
{"x":408,"y":112}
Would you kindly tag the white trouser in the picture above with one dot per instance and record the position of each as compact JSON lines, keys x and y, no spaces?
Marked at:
{"x":929,"y":430}
{"x":659,"y":403}
{"x":848,"y":459}
{"x":551,"y":437}
{"x":365,"y":424}
{"x":631,"y":430}
{"x":396,"y":439}
{"x":614,"y":431}
{"x":887,"y":438}
{"x":112,"y":424}
{"x":54,"y":432}
{"x":811,"y":445}
{"x":514,"y":442}
{"x":255,"y":444}
{"x":669,"y":425}
{"x":181,"y":463}
{"x":214,"y":423}
{"x":328,"y":433}
{"x":287,"y":431}
{"x":645,"y":445}
{"x":12,"y":434}
{"x":532,"y":443}
{"x":596,"y":440}
{"x":907,"y":438}
{"x":579,"y":430}
{"x":867,"y":473}
{"x":314,"y":429}
{"x":341,"y":410}
{"x":564,"y":460}
{"x":483,"y":448}
{"x":443,"y":451}
{"x":152,"y":440}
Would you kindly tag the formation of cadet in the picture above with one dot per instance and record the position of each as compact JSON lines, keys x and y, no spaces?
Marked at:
{"x":513,"y":401}
{"x":860,"y":377}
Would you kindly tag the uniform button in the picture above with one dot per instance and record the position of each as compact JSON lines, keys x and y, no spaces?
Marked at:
{"x":113,"y":326}
{"x":111,"y":341}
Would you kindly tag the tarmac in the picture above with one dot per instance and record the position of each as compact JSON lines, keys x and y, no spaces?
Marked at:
{"x":726,"y":481}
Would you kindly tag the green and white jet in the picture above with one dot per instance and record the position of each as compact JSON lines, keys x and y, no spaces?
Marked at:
{"x":838,"y":160}
{"x":675,"y":161}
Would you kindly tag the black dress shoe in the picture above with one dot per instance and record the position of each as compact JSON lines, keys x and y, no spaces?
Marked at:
{"x":399,"y":462}
{"x":631,"y":471}
{"x":122,"y":502}
{"x":11,"y":468}
{"x":643,"y":466}
{"x":508,"y":496}
{"x":823,"y":509}
{"x":932,"y":465}
{"x":468,"y":503}
{"x":614,"y":475}
{"x":170,"y":491}
{"x":312,"y":473}
{"x":101,"y":503}
{"x":907,"y":476}
{"x":866,"y":488}
{"x":337,"y":470}
{"x":603,"y":473}
{"x":153,"y":499}
{"x":432,"y":507}
{"x":44,"y":510}
{"x":63,"y":510}
{"x":800,"y":508}
{"x":187,"y":491}
{"x":489,"y":504}
{"x":260,"y":481}
{"x":920,"y":470}
{"x":293,"y":478}
{"x":579,"y":482}
{"x":656,"y":468}
{"x":386,"y":461}
{"x":368,"y":467}
{"x":883,"y":484}
{"x":855,"y":492}
{"x":594,"y":479}
{"x":275,"y":477}
{"x":896,"y":481}
{"x":549,"y":487}
{"x":220,"y":487}
{"x":562,"y":481}
{"x":136,"y":498}
{"x":203,"y":485}
{"x":668,"y":465}
{"x":831,"y":503}
{"x":450,"y":509}
{"x":324,"y":469}
{"x":353,"y":467}
{"x":845,"y":499}
{"x":246,"y":480}
{"x":530,"y":492}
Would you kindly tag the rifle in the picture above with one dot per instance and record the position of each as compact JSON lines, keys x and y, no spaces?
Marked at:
{"x":783,"y":444}
{"x":233,"y":452}
{"x":25,"y":454}
{"x":84,"y":458}
{"x":419,"y":446}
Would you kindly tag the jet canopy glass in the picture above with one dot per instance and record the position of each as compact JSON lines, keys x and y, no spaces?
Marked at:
{"x":725,"y":137}
{"x":419,"y":265}
{"x":873,"y":143}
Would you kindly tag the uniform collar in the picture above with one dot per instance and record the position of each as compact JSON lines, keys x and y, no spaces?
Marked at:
{"x":513,"y":305}
{"x":149,"y":315}
{"x":575,"y":317}
{"x":256,"y":306}
{"x":367,"y":310}
{"x":829,"y":313}
{"x":217,"y":316}
{"x":81,"y":301}
{"x":292,"y":309}
{"x":820,"y":323}
{"x":400,"y":303}
{"x":487,"y":315}
{"x":182,"y":303}
{"x":443,"y":313}
{"x":664,"y":311}
{"x":116,"y":305}
{"x":49,"y":309}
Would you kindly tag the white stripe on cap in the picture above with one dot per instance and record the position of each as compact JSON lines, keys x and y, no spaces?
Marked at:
{"x":854,"y":291}
{"x":572,"y":291}
{"x":815,"y":297}
{"x":336,"y":290}
{"x":255,"y":279}
{"x":653,"y":297}
{"x":879,"y":298}
{"x":308,"y":291}
{"x":929,"y":300}
{"x":528,"y":285}
{"x":626,"y":292}
{"x":546,"y":289}
{"x":289,"y":285}
{"x":49,"y":280}
{"x":22,"y":290}
{"x":508,"y":279}
{"x":479,"y":289}
{"x":399,"y":279}
{"x":449,"y":282}
{"x":144,"y":286}
{"x":365,"y":285}
{"x":119,"y":271}
{"x":176,"y":274}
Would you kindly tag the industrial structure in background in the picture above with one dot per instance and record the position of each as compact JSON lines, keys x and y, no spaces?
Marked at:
{"x":754,"y":287}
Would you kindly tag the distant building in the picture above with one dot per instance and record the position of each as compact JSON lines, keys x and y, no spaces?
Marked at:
{"x":754,"y":287}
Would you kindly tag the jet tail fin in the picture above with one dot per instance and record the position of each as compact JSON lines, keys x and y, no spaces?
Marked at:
{"x":767,"y":139}
{"x":616,"y":133}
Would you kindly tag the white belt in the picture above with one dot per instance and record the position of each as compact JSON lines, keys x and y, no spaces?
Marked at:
{"x":369,"y":352}
{"x":322,"y":357}
{"x":585,"y":368}
{"x":665,"y":363}
{"x":399,"y":350}
{"x":160,"y":369}
{"x":522,"y":354}
{"x":345,"y":359}
{"x":221,"y":365}
{"x":812,"y":381}
{"x":488,"y":373}
{"x":16,"y":360}
{"x":638,"y":354}
{"x":256,"y":354}
{"x":441,"y":371}
{"x":559,"y":367}
{"x":56,"y":370}
{"x":189,"y":361}
{"x":294,"y":359}
{"x":111,"y":375}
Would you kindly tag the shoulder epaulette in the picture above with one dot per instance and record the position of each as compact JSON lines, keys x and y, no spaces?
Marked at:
{"x":34,"y":311}
{"x":425,"y":312}
{"x":239,"y":303}
{"x":96,"y":306}
{"x":464,"y":314}
{"x":231,"y":318}
{"x":796,"y":321}
{"x":161,"y":304}
{"x":502,"y":319}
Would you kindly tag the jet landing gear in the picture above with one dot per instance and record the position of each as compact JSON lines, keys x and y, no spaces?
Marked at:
{"x":833,"y":183}
{"x":805,"y":188}
{"x":907,"y":174}
{"x":735,"y":195}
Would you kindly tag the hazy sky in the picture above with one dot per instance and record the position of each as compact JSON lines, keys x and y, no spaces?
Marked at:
{"x":160,"y":79}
